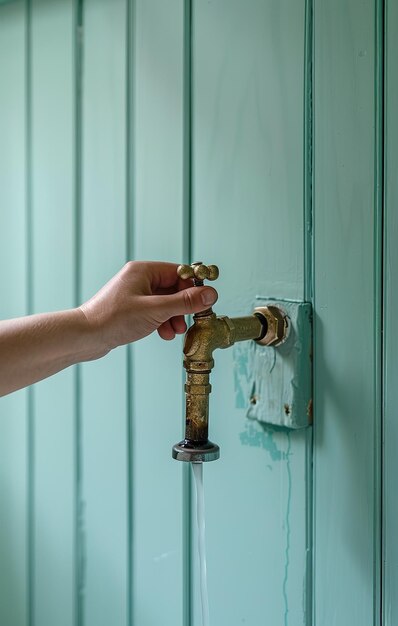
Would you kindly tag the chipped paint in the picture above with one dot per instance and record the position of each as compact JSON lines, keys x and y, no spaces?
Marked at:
{"x":275,"y":384}
{"x":241,"y":375}
{"x":261,"y":436}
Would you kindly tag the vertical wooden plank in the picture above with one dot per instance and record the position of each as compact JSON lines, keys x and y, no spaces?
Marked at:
{"x":53,"y":272}
{"x":390,"y":608}
{"x":53,"y":268}
{"x":346,"y":284}
{"x":104,"y":391}
{"x":248,"y":150}
{"x":157,"y":378}
{"x":13,"y":303}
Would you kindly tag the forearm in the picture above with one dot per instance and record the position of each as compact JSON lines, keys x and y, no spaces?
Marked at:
{"x":37,"y":346}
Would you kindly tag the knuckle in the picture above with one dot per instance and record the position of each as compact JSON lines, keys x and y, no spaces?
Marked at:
{"x":129,"y":266}
{"x":130,"y":269}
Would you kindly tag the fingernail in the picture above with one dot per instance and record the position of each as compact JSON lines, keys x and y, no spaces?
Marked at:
{"x":209,"y":297}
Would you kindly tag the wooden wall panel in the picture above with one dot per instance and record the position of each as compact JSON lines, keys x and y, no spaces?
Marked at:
{"x":97,"y":530}
{"x":346,"y":284}
{"x":160,"y":213}
{"x":53,"y":259}
{"x":248,"y":217}
{"x":390,"y":553}
{"x":104,"y":410}
{"x":13,"y":302}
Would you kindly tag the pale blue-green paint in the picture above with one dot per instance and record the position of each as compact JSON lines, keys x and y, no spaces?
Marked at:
{"x":13,"y":302}
{"x":248,"y":94}
{"x":261,"y":435}
{"x":96,"y":529}
{"x":347,"y":411}
{"x":390,"y":547}
{"x":104,"y":409}
{"x":287,"y":529}
{"x":53,"y":287}
{"x":275,"y":384}
{"x":159,"y":219}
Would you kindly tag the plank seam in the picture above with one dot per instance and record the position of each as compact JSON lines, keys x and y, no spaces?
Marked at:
{"x":187,"y":234}
{"x":309,"y":609}
{"x":379,"y":312}
{"x":30,"y":305}
{"x":79,"y":509}
{"x":130,"y":220}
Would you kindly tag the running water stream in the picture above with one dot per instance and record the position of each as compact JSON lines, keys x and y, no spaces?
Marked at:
{"x":197,"y":469}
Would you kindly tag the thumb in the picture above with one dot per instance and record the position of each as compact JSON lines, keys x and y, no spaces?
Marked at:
{"x":191,"y":300}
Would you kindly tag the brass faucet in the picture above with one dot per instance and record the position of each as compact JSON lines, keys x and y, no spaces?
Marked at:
{"x":267,"y":325}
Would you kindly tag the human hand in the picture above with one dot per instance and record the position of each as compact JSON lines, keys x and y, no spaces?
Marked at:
{"x":141,"y":298}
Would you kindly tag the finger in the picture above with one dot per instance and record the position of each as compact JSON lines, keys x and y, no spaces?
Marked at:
{"x":163,"y":275}
{"x":178,"y":324}
{"x":179,"y":285}
{"x":187,"y":301}
{"x":164,"y":278}
{"x":166,"y":331}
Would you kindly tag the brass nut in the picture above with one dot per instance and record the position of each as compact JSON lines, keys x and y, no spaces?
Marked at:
{"x":277,"y":325}
{"x":231,"y":329}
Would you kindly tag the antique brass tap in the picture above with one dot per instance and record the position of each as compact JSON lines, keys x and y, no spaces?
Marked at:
{"x":267,"y":325}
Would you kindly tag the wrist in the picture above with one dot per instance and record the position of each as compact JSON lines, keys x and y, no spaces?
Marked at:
{"x":91,"y":337}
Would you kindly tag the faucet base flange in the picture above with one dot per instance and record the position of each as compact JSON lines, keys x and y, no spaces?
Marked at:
{"x":195,"y":453}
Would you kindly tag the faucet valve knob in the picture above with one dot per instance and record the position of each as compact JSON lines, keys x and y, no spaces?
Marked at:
{"x":199,"y":272}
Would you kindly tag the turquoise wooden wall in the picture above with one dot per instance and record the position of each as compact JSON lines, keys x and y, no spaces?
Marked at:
{"x":260,"y":135}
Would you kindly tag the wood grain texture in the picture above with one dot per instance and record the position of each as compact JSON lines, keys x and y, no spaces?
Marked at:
{"x":104,"y":410}
{"x":158,"y":233}
{"x":390,"y":608}
{"x":53,"y":288}
{"x":347,"y":489}
{"x":248,"y":217}
{"x":13,"y":302}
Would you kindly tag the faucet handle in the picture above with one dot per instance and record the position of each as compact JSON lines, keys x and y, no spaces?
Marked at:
{"x":199,"y":272}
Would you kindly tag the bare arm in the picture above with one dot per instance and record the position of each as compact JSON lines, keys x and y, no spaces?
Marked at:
{"x":37,"y":346}
{"x":141,"y":298}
